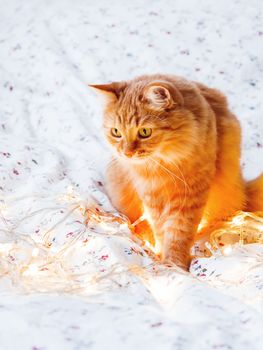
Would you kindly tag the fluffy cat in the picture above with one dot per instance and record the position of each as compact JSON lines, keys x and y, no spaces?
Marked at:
{"x":177,"y":153}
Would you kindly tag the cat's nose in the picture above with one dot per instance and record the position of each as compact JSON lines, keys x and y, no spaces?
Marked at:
{"x":128,"y":153}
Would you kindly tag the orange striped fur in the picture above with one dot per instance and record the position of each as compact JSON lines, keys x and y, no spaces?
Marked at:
{"x":186,"y":171}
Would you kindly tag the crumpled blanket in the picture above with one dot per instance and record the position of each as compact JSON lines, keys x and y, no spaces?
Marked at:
{"x":72,"y":281}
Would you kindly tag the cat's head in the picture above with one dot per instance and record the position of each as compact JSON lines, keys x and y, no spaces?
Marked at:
{"x":146,"y":118}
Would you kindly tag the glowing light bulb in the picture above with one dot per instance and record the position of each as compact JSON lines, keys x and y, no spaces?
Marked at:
{"x":227,"y":250}
{"x":82,"y":208}
{"x":70,"y":189}
{"x":148,"y":245}
{"x":202,"y":224}
{"x":3,"y":209}
{"x":32,"y":269}
{"x":5,"y":247}
{"x":146,"y":215}
{"x":35,"y":252}
{"x":151,"y":247}
{"x":123,"y":226}
{"x":238,"y":220}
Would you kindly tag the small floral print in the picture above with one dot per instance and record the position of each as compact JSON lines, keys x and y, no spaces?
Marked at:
{"x":157,"y":324}
{"x":128,"y":251}
{"x":70,"y":234}
{"x":104,"y":257}
{"x":6,"y":154}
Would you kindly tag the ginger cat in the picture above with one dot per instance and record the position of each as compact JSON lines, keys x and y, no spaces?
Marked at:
{"x":177,"y":152}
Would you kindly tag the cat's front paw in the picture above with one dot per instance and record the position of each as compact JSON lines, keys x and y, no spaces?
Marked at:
{"x":144,"y":232}
{"x":182,"y":261}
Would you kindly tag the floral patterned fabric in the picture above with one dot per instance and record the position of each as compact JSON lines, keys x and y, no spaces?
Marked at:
{"x":93,"y":286}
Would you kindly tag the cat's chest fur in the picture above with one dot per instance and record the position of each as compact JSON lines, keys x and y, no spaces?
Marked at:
{"x":152,"y":184}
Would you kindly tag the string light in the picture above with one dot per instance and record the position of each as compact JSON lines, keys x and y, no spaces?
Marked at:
{"x":243,"y":228}
{"x":37,"y":265}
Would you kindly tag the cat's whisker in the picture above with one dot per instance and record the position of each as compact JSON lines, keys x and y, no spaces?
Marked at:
{"x":182,"y":174}
{"x":167,"y":193}
{"x":186,"y":186}
{"x":174,"y":177}
{"x":113,"y":161}
{"x":166,"y":169}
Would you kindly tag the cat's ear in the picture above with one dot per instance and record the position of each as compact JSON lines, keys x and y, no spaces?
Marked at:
{"x":162,"y":95}
{"x":110,"y":91}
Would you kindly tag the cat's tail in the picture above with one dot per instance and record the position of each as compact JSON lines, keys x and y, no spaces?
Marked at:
{"x":255,"y":194}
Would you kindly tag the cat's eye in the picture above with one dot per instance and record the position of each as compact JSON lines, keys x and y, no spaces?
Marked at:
{"x":115,"y":132}
{"x":144,"y":133}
